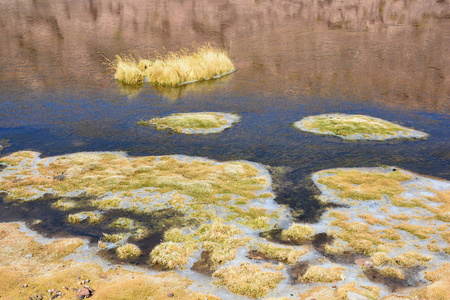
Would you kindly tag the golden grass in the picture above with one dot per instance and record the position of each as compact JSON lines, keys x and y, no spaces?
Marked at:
{"x":248,"y":280}
{"x":47,"y":269}
{"x":281,"y":254}
{"x":128,"y":251}
{"x":172,"y":255}
{"x":175,"y":68}
{"x":360,"y":185}
{"x":422,"y":232}
{"x":297,"y":233}
{"x":321,"y":274}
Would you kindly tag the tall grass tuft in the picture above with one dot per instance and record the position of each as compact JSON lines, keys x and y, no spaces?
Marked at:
{"x":175,"y":68}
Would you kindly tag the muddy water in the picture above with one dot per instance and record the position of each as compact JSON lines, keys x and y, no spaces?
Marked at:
{"x":388,"y":59}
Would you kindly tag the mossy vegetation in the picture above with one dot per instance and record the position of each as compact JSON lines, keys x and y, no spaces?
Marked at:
{"x":355,"y":127}
{"x":175,"y":68}
{"x":248,"y":280}
{"x":191,"y":123}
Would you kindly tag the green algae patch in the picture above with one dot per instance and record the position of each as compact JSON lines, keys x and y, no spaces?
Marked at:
{"x":248,"y":280}
{"x":194,"y":123}
{"x":356,"y":127}
{"x":176,"y":68}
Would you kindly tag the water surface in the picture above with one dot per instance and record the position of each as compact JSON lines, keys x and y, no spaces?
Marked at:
{"x":387,"y":59}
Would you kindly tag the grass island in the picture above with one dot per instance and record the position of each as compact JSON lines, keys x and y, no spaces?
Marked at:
{"x":175,"y":68}
{"x":356,"y":127}
{"x":194,"y":123}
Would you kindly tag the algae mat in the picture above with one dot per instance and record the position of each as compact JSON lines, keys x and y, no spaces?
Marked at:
{"x":387,"y":236}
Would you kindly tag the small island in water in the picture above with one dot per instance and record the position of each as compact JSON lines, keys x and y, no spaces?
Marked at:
{"x":194,"y":123}
{"x":356,"y":127}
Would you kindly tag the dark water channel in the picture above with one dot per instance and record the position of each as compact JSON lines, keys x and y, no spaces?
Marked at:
{"x":388,"y":59}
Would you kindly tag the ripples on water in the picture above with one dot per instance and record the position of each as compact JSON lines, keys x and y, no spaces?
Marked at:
{"x":388,"y":59}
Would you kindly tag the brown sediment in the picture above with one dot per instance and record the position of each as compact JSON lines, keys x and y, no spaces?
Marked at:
{"x":204,"y":265}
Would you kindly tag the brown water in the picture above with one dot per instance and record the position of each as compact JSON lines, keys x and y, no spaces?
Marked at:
{"x":384,"y":51}
{"x":385,"y":58}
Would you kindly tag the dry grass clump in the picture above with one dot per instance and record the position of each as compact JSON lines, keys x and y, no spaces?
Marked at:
{"x":127,"y":70}
{"x":172,"y":255}
{"x":321,"y":274}
{"x":248,"y":280}
{"x":175,"y":68}
{"x":297,"y":233}
{"x":219,"y":239}
{"x":282,"y":254}
{"x":175,"y":235}
{"x":128,"y":251}
{"x":360,"y":185}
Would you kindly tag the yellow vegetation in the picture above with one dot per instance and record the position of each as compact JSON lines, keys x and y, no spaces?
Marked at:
{"x":128,"y":251}
{"x":175,"y":68}
{"x":47,"y":269}
{"x":171,"y":255}
{"x":297,"y":233}
{"x":282,"y":254}
{"x":321,"y":274}
{"x":248,"y":280}
{"x":359,"y":185}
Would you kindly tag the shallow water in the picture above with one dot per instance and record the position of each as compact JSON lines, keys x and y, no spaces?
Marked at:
{"x":387,"y":59}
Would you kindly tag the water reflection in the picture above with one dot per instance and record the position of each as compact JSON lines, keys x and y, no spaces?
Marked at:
{"x":393,"y":52}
